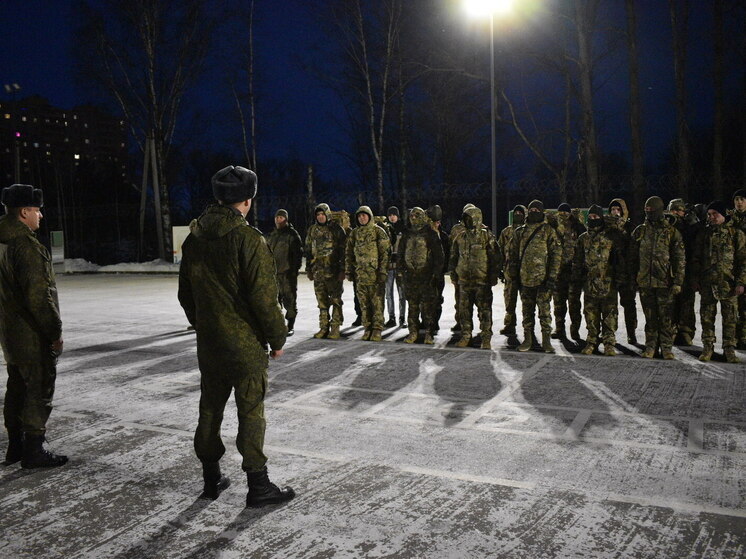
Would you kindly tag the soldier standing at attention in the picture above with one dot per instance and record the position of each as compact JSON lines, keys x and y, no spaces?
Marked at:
{"x":30,"y":328}
{"x":738,"y":220}
{"x":719,"y":274}
{"x":598,"y":265}
{"x":533,"y":264}
{"x":228,"y":289}
{"x":619,"y":218}
{"x":435,"y":213}
{"x":684,"y":318}
{"x":287,"y":250}
{"x":455,"y":232}
{"x":395,"y":227}
{"x":420,"y":263}
{"x":657,"y":263}
{"x":325,"y":258}
{"x":510,"y":292}
{"x":473,"y":268}
{"x":567,"y":294}
{"x":366,"y":263}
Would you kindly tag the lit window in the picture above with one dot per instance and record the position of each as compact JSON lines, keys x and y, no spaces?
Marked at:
{"x":65,"y":123}
{"x":23,"y":118}
{"x":76,"y":156}
{"x":49,"y":153}
{"x":7,"y":115}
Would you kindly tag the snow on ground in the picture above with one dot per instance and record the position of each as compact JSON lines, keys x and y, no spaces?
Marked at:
{"x":77,"y":265}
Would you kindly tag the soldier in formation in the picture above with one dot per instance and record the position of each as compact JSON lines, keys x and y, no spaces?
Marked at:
{"x":287,"y":250}
{"x":395,"y":228}
{"x":684,"y":319}
{"x":738,"y":220}
{"x":435,"y":214}
{"x":510,"y":291}
{"x":619,"y":219}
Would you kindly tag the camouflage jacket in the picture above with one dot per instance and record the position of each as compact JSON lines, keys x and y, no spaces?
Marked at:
{"x":228,"y":289}
{"x":719,"y":259}
{"x":474,"y":257}
{"x":286,"y":248}
{"x":568,"y":230}
{"x":325,"y":248}
{"x":598,"y":262}
{"x":368,"y":251}
{"x":738,"y":220}
{"x":534,"y":258}
{"x":29,"y":307}
{"x":503,"y":247}
{"x":420,"y":255}
{"x":656,"y":255}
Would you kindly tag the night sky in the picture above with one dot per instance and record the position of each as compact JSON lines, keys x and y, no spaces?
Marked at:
{"x":300,"y":114}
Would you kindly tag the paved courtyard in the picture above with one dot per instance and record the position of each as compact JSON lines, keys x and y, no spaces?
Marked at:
{"x":394,"y":450}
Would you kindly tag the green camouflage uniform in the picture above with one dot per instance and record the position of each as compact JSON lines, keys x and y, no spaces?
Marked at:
{"x":510,"y":291}
{"x":566,"y":293}
{"x":455,"y":232}
{"x":627,"y":290}
{"x":684,"y":318}
{"x":738,"y":220}
{"x":228,"y":290}
{"x":599,"y":266}
{"x":29,"y":324}
{"x":287,"y":250}
{"x":657,"y":263}
{"x":533,"y":264}
{"x":420,"y":262}
{"x":473,"y":267}
{"x":366,"y":263}
{"x":718,"y":266}
{"x":325,"y":254}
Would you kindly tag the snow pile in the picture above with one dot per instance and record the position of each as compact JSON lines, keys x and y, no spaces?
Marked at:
{"x":73,"y":265}
{"x":78,"y":265}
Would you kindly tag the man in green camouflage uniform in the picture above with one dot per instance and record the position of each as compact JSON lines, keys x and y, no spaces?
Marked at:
{"x":228,"y":290}
{"x":533,"y":263}
{"x":473,"y":267}
{"x":30,"y":328}
{"x":598,"y":265}
{"x":657,"y":264}
{"x":683,"y":318}
{"x":366,"y":263}
{"x":420,"y":261}
{"x":738,"y":220}
{"x":455,"y":232}
{"x":287,"y":249}
{"x":510,"y":292}
{"x":567,"y":294}
{"x":618,"y":218}
{"x":719,"y":274}
{"x":325,"y":257}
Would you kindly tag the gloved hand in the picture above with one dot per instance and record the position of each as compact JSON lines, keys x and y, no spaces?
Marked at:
{"x":675,"y":289}
{"x":309,"y":273}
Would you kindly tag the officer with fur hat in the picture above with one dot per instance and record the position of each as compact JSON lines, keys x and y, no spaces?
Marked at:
{"x":228,"y":290}
{"x":657,"y":265}
{"x":287,"y":250}
{"x":738,"y":220}
{"x":30,"y":328}
{"x":719,"y":274}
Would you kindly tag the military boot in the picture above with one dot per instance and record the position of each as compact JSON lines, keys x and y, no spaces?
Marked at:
{"x":263,"y":492}
{"x":15,"y":448}
{"x":36,"y":456}
{"x":683,"y":339}
{"x":334,"y":332}
{"x":588,"y":349}
{"x":559,"y":332}
{"x":546,"y":342}
{"x":730,"y":355}
{"x":291,"y":325}
{"x":528,"y":341}
{"x":215,"y":482}
{"x":323,"y":325}
{"x":631,"y":338}
{"x":464,"y":341}
{"x":707,"y":352}
{"x":391,"y":322}
{"x":366,"y":335}
{"x":429,"y":340}
{"x":411,"y":337}
{"x":358,"y":321}
{"x":375,"y":336}
{"x":609,"y":350}
{"x":741,"y":344}
{"x":508,"y":331}
{"x":486,"y":342}
{"x":667,"y":354}
{"x":575,"y":332}
{"x":648,"y":353}
{"x":456,"y":328}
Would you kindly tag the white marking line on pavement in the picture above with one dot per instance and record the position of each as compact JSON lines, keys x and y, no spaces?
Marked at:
{"x":573,"y":431}
{"x":696,"y":435}
{"x":680,"y":506}
{"x":467,"y":477}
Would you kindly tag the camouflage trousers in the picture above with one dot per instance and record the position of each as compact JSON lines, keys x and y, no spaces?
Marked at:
{"x":329,"y":296}
{"x":287,"y":293}
{"x":533,"y":298}
{"x":741,"y":319}
{"x":684,"y":318}
{"x":628,"y":301}
{"x":510,"y":295}
{"x":657,"y":304}
{"x":28,"y":398}
{"x":708,"y":310}
{"x":601,"y":314}
{"x":420,"y":301}
{"x":566,"y":294}
{"x":249,"y":389}
{"x":471,"y":294}
{"x":371,"y":297}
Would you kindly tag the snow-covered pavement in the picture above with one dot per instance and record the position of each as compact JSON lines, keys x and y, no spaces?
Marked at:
{"x":394,"y":450}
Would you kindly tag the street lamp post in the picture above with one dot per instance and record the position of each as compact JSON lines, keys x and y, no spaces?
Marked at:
{"x":13,"y":89}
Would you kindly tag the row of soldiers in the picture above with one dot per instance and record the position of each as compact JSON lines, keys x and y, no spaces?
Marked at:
{"x":543,"y":258}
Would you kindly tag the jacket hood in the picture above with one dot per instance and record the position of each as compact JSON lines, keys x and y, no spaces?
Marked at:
{"x":472,"y":218}
{"x":418,"y":218}
{"x":622,"y":204}
{"x":216,"y":221}
{"x":364,"y":210}
{"x":322,"y":208}
{"x":11,"y":228}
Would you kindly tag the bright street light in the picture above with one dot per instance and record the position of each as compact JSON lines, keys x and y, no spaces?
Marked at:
{"x":483,"y":8}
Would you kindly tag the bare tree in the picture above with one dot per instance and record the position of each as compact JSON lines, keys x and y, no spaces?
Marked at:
{"x":679,"y":10}
{"x":145,"y":54}
{"x":635,"y":109}
{"x":718,"y":77}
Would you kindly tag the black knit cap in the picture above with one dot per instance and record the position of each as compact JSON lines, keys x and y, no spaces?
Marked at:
{"x":719,"y":206}
{"x":564,"y":207}
{"x":234,"y":184}
{"x":520,"y":208}
{"x":22,"y":196}
{"x":596,"y":209}
{"x":741,"y":193}
{"x":393,"y":210}
{"x":435,"y":213}
{"x":538,"y":204}
{"x":616,"y":204}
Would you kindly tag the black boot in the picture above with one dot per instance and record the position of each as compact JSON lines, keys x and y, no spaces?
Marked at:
{"x":358,"y":321}
{"x":263,"y":492}
{"x":215,"y":482}
{"x":15,"y":448}
{"x":36,"y":456}
{"x":291,"y":325}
